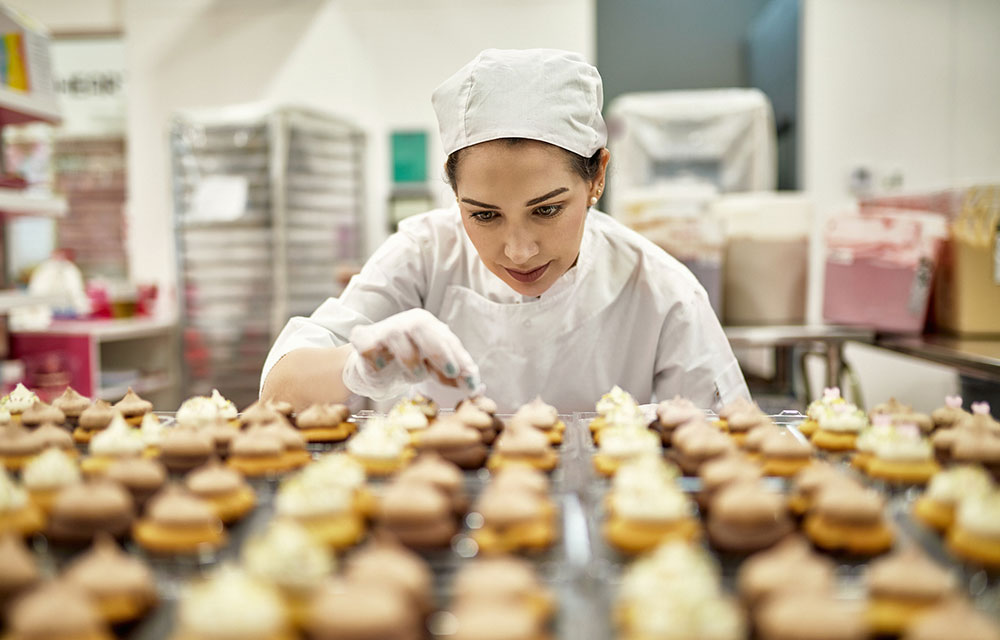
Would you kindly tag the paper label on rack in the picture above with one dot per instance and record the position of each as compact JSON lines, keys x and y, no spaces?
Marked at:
{"x":921,"y":287}
{"x":219,"y":198}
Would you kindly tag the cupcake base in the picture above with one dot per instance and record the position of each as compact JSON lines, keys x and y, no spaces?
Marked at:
{"x":529,"y":536}
{"x":232,"y":507}
{"x":160,"y":538}
{"x":934,"y":514}
{"x":544,"y":462}
{"x":975,"y":549}
{"x":891,"y":616}
{"x":784,"y":467}
{"x":633,"y":537}
{"x":902,"y":472}
{"x":337,"y":531}
{"x":860,"y":539}
{"x":834,"y":441}
{"x":26,"y":521}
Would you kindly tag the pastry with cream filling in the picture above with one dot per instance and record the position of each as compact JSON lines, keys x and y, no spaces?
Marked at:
{"x":120,"y":585}
{"x":133,"y":408}
{"x":419,"y":515}
{"x":327,"y":512}
{"x":231,"y":604}
{"x":901,"y":587}
{"x":47,"y":475}
{"x":543,"y":417}
{"x":936,"y":507}
{"x":850,"y":518}
{"x":18,"y":514}
{"x":177,"y":522}
{"x":522,"y":446}
{"x":56,"y":610}
{"x":40,"y":412}
{"x":18,"y":447}
{"x":223,"y":488}
{"x":72,"y":404}
{"x":379,"y":449}
{"x":975,"y":536}
{"x":83,"y":510}
{"x":325,"y":423}
{"x":92,"y":419}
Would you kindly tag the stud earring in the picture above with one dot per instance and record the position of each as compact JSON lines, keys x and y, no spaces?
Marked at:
{"x":593,"y":200}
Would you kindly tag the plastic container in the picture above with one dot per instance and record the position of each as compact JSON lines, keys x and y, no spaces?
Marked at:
{"x":766,"y":264}
{"x":879,"y":270}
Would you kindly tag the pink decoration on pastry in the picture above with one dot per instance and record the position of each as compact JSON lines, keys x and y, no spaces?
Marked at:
{"x":953,"y":402}
{"x":981,"y":408}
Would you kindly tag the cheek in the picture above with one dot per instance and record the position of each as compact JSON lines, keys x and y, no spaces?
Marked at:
{"x":481,"y":238}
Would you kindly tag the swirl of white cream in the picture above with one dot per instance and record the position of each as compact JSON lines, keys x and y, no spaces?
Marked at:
{"x":408,"y":416}
{"x":12,"y":497}
{"x":231,"y":604}
{"x":337,"y":469}
{"x":20,"y":399}
{"x":660,"y":505}
{"x":538,"y":414}
{"x":4,"y":415}
{"x":485,"y":404}
{"x":297,"y":500}
{"x":227,"y":410}
{"x":119,"y":439}
{"x":845,"y":418}
{"x":199,"y":411}
{"x":51,"y":470}
{"x":952,"y":485}
{"x":614,"y":398}
{"x":904,"y":450}
{"x":870,"y":437}
{"x":626,"y":442}
{"x":375,"y":443}
{"x":287,"y":556}
{"x":642,"y":472}
{"x":151,"y":429}
{"x":980,"y":515}
{"x":469,"y":414}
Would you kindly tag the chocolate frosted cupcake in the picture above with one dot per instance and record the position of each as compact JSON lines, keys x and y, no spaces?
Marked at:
{"x":418,"y":515}
{"x":512,"y":522}
{"x":72,"y":404}
{"x":722,"y":472}
{"x":434,"y":470}
{"x":901,"y":587}
{"x":184,"y":449}
{"x":756,"y":437}
{"x":386,"y":564}
{"x":951,"y":413}
{"x":694,"y":447}
{"x":20,"y":571}
{"x":261,"y":414}
{"x":739,"y":423}
{"x":142,"y":477}
{"x":848,"y":517}
{"x":18,"y":446}
{"x":120,"y":585}
{"x":489,"y":407}
{"x":479,"y":620}
{"x":295,"y":455}
{"x":809,"y":481}
{"x":257,"y":452}
{"x":133,"y":407}
{"x":40,"y":412}
{"x":790,"y":567}
{"x":357,"y":611}
{"x":953,"y":620}
{"x":485,"y":423}
{"x":93,"y":419}
{"x":56,"y":610}
{"x":504,"y":581}
{"x":746,"y":517}
{"x":325,"y":423}
{"x":52,"y":436}
{"x":82,"y":511}
{"x":973,"y":446}
{"x":671,"y":414}
{"x":810,"y":616}
{"x":522,"y":446}
{"x":177,"y":522}
{"x":453,"y":441}
{"x":784,"y":455}
{"x":223,"y":488}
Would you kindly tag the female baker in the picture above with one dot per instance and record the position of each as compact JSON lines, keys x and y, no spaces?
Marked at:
{"x":519,"y":287}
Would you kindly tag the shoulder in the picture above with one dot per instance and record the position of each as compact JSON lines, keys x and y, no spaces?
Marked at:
{"x":654,"y":270}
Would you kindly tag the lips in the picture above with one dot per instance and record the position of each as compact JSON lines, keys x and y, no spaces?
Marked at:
{"x":529,"y":276}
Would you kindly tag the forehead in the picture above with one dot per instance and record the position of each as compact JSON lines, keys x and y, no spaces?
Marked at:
{"x":519,"y":159}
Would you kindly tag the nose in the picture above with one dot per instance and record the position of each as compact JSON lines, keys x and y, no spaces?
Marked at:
{"x":520,"y":247}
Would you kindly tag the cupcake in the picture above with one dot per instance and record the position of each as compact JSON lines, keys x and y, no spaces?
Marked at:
{"x":326,"y":512}
{"x":746,"y":517}
{"x":359,"y":611}
{"x":847,"y":517}
{"x":286,"y":556}
{"x":47,"y":475}
{"x":94,"y":418}
{"x":617,"y":401}
{"x":432,"y":469}
{"x":881,"y":429}
{"x":82,"y":511}
{"x":722,"y":472}
{"x":784,"y":455}
{"x":177,"y":522}
{"x":222,"y":436}
{"x":20,"y":570}
{"x":40,"y":412}
{"x":818,"y":408}
{"x":141,"y":477}
{"x":642,"y":520}
{"x":671,"y":414}
{"x":133,"y":408}
{"x":524,"y":478}
{"x":900,"y":413}
{"x":808,"y":482}
{"x":18,"y":447}
{"x":340,"y":470}
{"x":695,"y":443}
{"x":903,"y":461}
{"x":543,"y":417}
{"x":620,"y":444}
{"x":810,"y":616}
{"x":756,"y":437}
{"x":231,"y":604}
{"x":378,"y":450}
{"x":791,"y":566}
{"x":839,"y":428}
{"x":18,"y":514}
{"x":183,"y":449}
{"x":953,"y":620}
{"x":197,"y":412}
{"x":522,"y":446}
{"x":980,"y":420}
{"x":975,"y":536}
{"x":973,"y":446}
{"x":453,"y":441}
{"x":56,"y":611}
{"x":116,"y":442}
{"x":226,"y":409}
{"x":512,"y":521}
{"x":901,"y":587}
{"x":418,"y":515}
{"x":943,"y":440}
{"x":950,"y":414}
{"x":72,"y":404}
{"x":223,"y":488}
{"x":326,"y":423}
{"x":52,"y":436}
{"x":716,"y":617}
{"x":739,"y":423}
{"x":263,"y":413}
{"x":18,"y":401}
{"x":936,"y":507}
{"x":425,"y":404}
{"x":120,"y":585}
{"x":151,"y":430}
{"x":737,"y":405}
{"x":407,"y":415}
{"x":294,"y":454}
{"x":503,"y":581}
{"x":474,"y":419}
{"x":479,"y":620}
{"x":393,"y":566}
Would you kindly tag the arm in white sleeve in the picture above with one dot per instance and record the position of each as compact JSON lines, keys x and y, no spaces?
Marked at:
{"x":694,"y":358}
{"x":392,"y":281}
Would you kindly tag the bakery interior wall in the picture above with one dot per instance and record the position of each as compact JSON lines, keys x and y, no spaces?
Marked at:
{"x":902,"y":87}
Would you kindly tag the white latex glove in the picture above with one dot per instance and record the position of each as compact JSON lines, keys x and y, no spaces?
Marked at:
{"x":404,"y":349}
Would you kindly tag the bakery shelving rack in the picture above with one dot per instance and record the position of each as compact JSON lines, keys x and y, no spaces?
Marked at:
{"x":268,"y":202}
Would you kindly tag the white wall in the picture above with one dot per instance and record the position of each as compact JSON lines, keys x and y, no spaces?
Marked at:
{"x":907,"y":86}
{"x":75,"y":16}
{"x":372,"y":61}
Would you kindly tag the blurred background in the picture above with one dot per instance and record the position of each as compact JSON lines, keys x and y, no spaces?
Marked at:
{"x":181,"y":177}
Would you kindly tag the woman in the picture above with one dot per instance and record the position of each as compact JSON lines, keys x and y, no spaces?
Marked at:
{"x":519,"y":287}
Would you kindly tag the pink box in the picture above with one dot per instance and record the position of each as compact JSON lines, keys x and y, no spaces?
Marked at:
{"x":879,"y":271}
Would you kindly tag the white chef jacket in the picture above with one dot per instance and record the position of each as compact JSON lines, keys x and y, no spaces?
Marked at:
{"x":627,"y":314}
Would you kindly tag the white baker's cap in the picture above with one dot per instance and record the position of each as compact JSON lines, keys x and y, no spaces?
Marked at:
{"x":540,"y":94}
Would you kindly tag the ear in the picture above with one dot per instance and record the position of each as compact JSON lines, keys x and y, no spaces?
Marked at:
{"x":597,"y":185}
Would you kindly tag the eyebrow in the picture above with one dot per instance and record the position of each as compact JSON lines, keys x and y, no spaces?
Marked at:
{"x":550,"y":194}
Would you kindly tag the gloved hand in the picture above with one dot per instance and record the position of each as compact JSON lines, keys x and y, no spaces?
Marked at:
{"x":404,"y":349}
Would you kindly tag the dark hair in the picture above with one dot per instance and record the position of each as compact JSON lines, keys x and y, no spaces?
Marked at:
{"x":586,"y":168}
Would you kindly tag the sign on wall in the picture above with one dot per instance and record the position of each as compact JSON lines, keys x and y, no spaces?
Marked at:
{"x":90,"y":84}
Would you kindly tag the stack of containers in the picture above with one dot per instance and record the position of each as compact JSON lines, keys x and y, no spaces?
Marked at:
{"x":767,"y":257}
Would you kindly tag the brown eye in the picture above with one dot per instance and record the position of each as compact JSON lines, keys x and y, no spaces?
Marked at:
{"x":548,"y":210}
